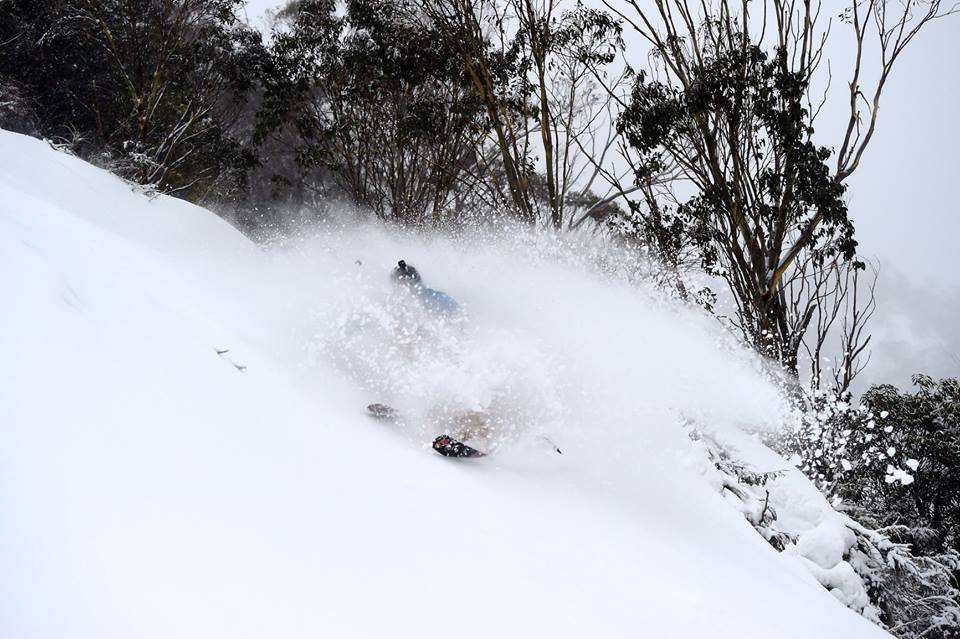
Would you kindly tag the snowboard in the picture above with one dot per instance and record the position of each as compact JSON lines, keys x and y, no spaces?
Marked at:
{"x":443,"y":444}
{"x":450,"y":447}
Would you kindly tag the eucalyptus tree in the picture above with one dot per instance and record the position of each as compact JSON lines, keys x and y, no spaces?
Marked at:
{"x":726,"y":103}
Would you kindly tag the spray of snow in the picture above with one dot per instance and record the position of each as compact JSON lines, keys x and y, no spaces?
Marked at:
{"x":557,"y":336}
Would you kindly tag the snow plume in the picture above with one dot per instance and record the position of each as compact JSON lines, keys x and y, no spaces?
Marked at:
{"x":559,"y":334}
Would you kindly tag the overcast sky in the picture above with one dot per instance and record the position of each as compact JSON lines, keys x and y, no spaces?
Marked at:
{"x":902,"y":198}
{"x":904,"y":204}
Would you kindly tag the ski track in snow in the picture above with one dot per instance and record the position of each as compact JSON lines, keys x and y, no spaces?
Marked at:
{"x":151,"y":487}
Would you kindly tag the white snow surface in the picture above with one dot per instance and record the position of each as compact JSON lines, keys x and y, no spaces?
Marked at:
{"x":149,"y":487}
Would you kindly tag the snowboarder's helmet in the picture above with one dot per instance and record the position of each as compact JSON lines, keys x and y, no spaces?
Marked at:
{"x":405,"y":274}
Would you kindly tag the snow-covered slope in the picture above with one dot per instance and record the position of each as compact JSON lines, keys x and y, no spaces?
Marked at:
{"x":153,"y":487}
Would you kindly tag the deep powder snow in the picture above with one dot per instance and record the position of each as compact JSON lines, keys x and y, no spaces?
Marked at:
{"x":184,"y":452}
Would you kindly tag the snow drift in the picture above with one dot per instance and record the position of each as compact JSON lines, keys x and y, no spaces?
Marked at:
{"x":183,"y":449}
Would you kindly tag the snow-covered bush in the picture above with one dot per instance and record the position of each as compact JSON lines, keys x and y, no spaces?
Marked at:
{"x":812,"y":532}
{"x":917,"y":595}
{"x":896,"y":455}
{"x":835,"y":439}
{"x":892,"y":462}
{"x":745,"y":487}
{"x":924,"y":427}
{"x":875,"y":572}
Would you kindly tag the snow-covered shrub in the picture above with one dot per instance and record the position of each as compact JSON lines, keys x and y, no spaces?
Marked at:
{"x":834,"y":439}
{"x":917,"y":595}
{"x":892,"y":462}
{"x":745,"y":487}
{"x":924,"y":427}
{"x":820,"y":540}
{"x":75,"y":142}
{"x":894,"y":459}
{"x":133,"y":162}
{"x":874,"y":571}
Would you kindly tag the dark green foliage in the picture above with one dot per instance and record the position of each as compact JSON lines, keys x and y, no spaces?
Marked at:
{"x":893,"y":463}
{"x":64,"y":75}
{"x":593,"y":37}
{"x":923,"y":426}
{"x":734,"y":124}
{"x":895,"y":456}
{"x":757,"y":97}
{"x":373,"y":98}
{"x":16,"y":108}
{"x":155,"y":85}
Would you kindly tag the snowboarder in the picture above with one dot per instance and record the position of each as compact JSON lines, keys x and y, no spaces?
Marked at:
{"x":458,"y":428}
{"x":461,"y":424}
{"x":435,"y":301}
{"x":445,"y":444}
